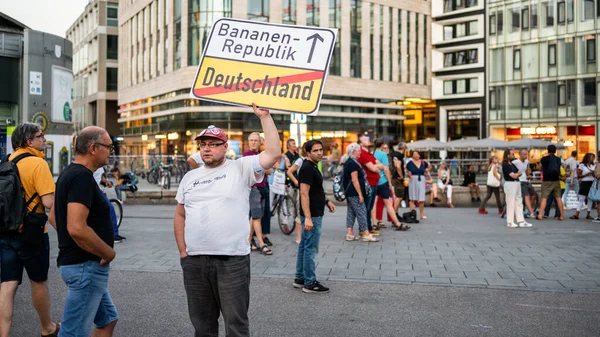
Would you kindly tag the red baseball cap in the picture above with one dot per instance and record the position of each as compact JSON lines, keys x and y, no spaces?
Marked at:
{"x":212,"y":132}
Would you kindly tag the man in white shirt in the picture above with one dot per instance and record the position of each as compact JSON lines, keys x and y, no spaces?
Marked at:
{"x":571,"y":183}
{"x":211,"y":229}
{"x":527,"y":190}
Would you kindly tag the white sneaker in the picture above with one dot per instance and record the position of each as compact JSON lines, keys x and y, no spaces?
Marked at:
{"x":403,"y":204}
{"x":512,"y":225}
{"x":525,"y":224}
{"x":596,"y":220}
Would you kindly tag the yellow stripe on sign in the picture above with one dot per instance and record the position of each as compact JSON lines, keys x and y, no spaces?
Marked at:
{"x":266,"y":85}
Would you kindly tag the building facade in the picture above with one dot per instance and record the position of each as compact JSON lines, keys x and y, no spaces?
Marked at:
{"x":458,"y":62}
{"x":36,"y":86}
{"x":95,"y":45}
{"x":378,"y":78}
{"x":543,"y":71}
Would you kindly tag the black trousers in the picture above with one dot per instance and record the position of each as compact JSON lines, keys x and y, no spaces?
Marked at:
{"x":214,"y":285}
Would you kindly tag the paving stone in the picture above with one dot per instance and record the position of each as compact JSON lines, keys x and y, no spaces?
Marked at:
{"x":480,"y":275}
{"x":585,"y":277}
{"x":550,"y":284}
{"x":280,"y":271}
{"x":461,"y":268}
{"x":553,"y":276}
{"x":469,"y":281}
{"x":433,"y":280}
{"x":505,"y":282}
{"x":429,"y":267}
{"x":415,"y":273}
{"x":399,"y":278}
{"x":450,"y":274}
{"x":518,"y":275}
{"x":579,"y":284}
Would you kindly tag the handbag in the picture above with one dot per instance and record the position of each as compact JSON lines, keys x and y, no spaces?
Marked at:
{"x":491,"y":179}
{"x":594,"y":194}
{"x":34,"y":225}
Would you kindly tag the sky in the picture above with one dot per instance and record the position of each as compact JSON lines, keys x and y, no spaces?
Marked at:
{"x":49,"y":16}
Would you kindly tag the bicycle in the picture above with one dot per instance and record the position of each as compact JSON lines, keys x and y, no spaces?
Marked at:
{"x":285,"y":208}
{"x":165,"y":176}
{"x":118,"y":206}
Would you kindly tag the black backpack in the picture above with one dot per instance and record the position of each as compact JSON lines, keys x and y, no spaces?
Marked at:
{"x":553,"y":166}
{"x":12,"y":199}
{"x":410,"y":217}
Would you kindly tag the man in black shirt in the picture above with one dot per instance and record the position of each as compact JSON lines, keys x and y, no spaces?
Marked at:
{"x":470,"y":181}
{"x":397,"y":167}
{"x":551,"y":184}
{"x":312,"y":209}
{"x":85,"y":238}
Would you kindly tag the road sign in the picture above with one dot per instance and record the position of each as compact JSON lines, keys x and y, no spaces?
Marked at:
{"x":276,"y":66}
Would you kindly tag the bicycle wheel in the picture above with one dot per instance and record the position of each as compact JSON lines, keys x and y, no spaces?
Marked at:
{"x":168,"y":181}
{"x":286,"y":214}
{"x":152,"y":176}
{"x":118,"y":210}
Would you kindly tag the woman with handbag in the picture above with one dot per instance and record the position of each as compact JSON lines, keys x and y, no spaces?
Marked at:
{"x":585,"y":174}
{"x":494,"y":180}
{"x":354,"y":185}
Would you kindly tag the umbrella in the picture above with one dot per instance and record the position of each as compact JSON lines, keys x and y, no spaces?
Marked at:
{"x":530,"y":143}
{"x":460,"y":145}
{"x":427,"y":145}
{"x":488,"y":144}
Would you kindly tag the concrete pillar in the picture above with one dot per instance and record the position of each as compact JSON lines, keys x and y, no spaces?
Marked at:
{"x":386,"y":44}
{"x":376,"y":41}
{"x":404,"y":46}
{"x":239,"y":9}
{"x":421,"y":50}
{"x":365,"y":40}
{"x":345,"y":39}
{"x":395,"y":66}
{"x":275,"y":11}
{"x":412,"y":48}
{"x":301,"y":12}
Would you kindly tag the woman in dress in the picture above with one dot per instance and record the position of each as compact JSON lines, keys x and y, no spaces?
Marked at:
{"x":494,"y":181}
{"x":585,"y":172}
{"x":353,"y":183}
{"x":445,"y":182}
{"x":416,"y":185}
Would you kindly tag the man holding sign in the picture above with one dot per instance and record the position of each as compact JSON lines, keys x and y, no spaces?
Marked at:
{"x":211,"y":229}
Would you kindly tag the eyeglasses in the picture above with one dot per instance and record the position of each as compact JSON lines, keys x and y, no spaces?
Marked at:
{"x":210,"y":145}
{"x":110,"y":147}
{"x":41,"y":135}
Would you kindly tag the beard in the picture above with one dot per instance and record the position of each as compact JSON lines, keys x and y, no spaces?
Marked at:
{"x":214,"y":162}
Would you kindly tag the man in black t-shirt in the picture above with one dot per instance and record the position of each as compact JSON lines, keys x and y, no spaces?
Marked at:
{"x":312,"y":209}
{"x":86,"y":239}
{"x":397,"y":161}
{"x":551,"y":180}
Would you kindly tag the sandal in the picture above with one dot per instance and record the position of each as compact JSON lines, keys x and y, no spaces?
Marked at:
{"x":350,"y":237}
{"x":403,"y":227}
{"x":265,"y":250}
{"x":253,"y":245}
{"x":370,"y":238}
{"x":574,"y":217}
{"x":589,"y":217}
{"x":55,"y":333}
{"x":380,"y":225}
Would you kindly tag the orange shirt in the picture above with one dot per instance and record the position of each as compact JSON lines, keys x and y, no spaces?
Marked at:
{"x":35,"y":177}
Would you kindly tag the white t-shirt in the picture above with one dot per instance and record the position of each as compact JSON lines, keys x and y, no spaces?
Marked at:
{"x":585,"y":170}
{"x":572,"y":162}
{"x":197,"y":158}
{"x":522,"y":166}
{"x":98,"y":176}
{"x":216,"y":202}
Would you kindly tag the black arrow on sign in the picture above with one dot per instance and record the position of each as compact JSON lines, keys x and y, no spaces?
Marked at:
{"x":314,"y":37}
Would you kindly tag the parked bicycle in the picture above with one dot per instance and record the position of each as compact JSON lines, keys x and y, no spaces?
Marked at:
{"x":285,"y":208}
{"x":165,"y":176}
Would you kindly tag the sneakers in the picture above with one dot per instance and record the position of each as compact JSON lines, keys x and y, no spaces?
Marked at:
{"x":512,"y":225}
{"x":315,"y":288}
{"x":483,"y":211}
{"x":596,"y":220}
{"x":298,"y":283}
{"x":525,"y":224}
{"x":403,"y":204}
{"x":119,"y":238}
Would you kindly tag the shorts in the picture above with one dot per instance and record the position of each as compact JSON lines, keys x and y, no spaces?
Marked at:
{"x":383,"y":191}
{"x":16,"y":256}
{"x":398,"y":187}
{"x":527,"y":189}
{"x":257,"y":204}
{"x":88,"y":300}
{"x":551,"y":188}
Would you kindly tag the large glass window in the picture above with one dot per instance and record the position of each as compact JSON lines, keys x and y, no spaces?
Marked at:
{"x":588,"y":10}
{"x":258,"y":10}
{"x":534,"y":15}
{"x":561,"y":12}
{"x":289,"y":12}
{"x":516,"y":20}
{"x":493,"y":102}
{"x":590,"y":47}
{"x":177,"y":37}
{"x":112,"y":14}
{"x":589,"y":92}
{"x":335,"y":21}
{"x":202,"y":15}
{"x":112,"y":47}
{"x":562,"y":94}
{"x":517,"y":59}
{"x":312,"y":12}
{"x":525,"y":18}
{"x":461,"y":86}
{"x":552,"y":55}
{"x":453,"y":5}
{"x":460,"y":30}
{"x":566,"y":57}
{"x":570,"y":11}
{"x":493,"y":24}
{"x":525,"y":99}
{"x":111,"y":79}
{"x":548,"y":8}
{"x":459,"y":58}
{"x":355,"y":38}
{"x":500,"y":21}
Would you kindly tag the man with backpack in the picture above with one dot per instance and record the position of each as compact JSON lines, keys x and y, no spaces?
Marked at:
{"x":551,"y":184}
{"x":24,"y":240}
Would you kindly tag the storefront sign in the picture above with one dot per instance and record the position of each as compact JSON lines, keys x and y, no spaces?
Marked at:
{"x":276,"y":66}
{"x":547,"y":130}
{"x":463,"y":114}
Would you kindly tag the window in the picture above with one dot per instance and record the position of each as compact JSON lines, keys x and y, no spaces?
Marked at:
{"x":112,"y":47}
{"x":473,"y":85}
{"x":461,"y":86}
{"x":460,"y":30}
{"x":201,"y":16}
{"x":493,"y":24}
{"x":525,"y":100}
{"x":561,"y":12}
{"x":552,"y":55}
{"x":472,"y":55}
{"x":312,"y":12}
{"x":588,"y":10}
{"x":589,"y":92}
{"x":355,"y":38}
{"x":590,"y":50}
{"x":492,"y":99}
{"x":112,"y":15}
{"x":525,"y":18}
{"x":258,"y":10}
{"x":534,"y":16}
{"x":459,"y":58}
{"x":534,"y":95}
{"x":453,"y":5}
{"x":549,"y":7}
{"x":516,"y":20}
{"x":500,"y":22}
{"x":570,"y":11}
{"x":448,"y":87}
{"x":562,"y":94}
{"x":111,"y":79}
{"x":289,"y":12}
{"x":517,"y":59}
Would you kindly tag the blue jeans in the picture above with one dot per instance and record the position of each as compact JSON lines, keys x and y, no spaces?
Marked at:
{"x":370,"y":202}
{"x":549,"y":202}
{"x":88,"y":300}
{"x":119,"y":191}
{"x":113,"y":216}
{"x":307,"y":250}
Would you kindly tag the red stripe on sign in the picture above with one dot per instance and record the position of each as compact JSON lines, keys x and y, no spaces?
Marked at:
{"x":315,"y":75}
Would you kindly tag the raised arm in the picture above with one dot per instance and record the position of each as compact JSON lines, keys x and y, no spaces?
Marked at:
{"x":272,"y":151}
